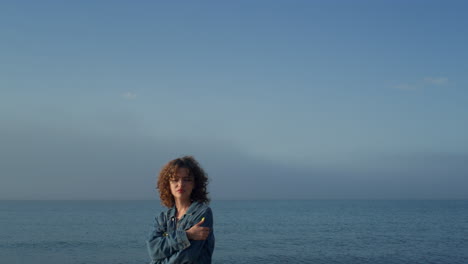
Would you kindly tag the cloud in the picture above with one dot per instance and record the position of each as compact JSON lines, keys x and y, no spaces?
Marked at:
{"x":129,"y":96}
{"x":46,"y":161}
{"x":425,"y":83}
{"x":436,"y":81}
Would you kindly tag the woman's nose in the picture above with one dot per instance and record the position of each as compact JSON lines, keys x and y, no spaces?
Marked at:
{"x":180,"y":182}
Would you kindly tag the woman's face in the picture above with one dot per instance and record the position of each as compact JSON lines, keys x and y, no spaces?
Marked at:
{"x":182,"y":184}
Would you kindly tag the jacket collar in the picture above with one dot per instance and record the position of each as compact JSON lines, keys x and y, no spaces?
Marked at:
{"x":190,"y":210}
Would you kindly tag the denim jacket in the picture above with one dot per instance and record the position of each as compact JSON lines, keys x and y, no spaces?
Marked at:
{"x":168,"y":242}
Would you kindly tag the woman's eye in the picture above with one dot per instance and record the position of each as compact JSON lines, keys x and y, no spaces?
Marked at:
{"x":183,"y":179}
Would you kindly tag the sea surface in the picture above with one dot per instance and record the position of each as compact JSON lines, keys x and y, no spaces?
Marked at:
{"x":296,"y":231}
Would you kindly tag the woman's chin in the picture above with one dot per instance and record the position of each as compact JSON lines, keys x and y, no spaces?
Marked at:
{"x":180,"y":196}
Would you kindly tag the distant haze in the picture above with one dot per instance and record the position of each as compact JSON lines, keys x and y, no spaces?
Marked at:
{"x":276,"y":99}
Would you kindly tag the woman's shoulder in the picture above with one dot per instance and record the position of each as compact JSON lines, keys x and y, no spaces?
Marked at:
{"x":199,"y":206}
{"x":200,"y":209}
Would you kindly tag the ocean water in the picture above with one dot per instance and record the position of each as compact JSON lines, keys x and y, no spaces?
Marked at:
{"x":305,"y":231}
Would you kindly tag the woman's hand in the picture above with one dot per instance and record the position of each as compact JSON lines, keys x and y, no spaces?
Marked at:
{"x":198,"y":232}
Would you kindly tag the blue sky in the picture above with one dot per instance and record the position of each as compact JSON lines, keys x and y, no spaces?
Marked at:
{"x":276,"y":99}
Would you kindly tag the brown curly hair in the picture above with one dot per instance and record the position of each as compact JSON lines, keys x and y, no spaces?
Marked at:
{"x":199,"y":192}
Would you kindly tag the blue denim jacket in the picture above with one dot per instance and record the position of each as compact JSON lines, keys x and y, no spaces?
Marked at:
{"x":168,"y":242}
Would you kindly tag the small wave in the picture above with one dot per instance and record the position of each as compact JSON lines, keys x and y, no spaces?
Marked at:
{"x":70,"y":244}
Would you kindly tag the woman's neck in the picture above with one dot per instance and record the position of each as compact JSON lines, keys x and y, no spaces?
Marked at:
{"x":182,"y":207}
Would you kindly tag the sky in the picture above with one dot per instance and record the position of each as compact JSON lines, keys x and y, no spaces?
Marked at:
{"x":275,"y":99}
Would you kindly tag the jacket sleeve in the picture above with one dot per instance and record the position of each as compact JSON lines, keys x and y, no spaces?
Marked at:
{"x":193,"y":253}
{"x":162,"y":245}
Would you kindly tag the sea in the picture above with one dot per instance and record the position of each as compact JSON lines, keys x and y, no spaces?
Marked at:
{"x":269,"y":231}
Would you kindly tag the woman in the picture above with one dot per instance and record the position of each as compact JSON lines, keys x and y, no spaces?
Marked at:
{"x":183,"y":233}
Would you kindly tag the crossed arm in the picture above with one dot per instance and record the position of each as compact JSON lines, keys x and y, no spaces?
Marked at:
{"x":182,"y":244}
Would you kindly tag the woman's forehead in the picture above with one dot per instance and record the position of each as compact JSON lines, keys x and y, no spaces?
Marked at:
{"x":182,"y":172}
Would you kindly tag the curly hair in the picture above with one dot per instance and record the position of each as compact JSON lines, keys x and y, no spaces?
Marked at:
{"x":199,"y":192}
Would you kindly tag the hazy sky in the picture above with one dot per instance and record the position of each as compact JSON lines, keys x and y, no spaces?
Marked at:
{"x":276,"y":99}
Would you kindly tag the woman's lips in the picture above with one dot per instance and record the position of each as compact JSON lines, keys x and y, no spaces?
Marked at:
{"x":180,"y":191}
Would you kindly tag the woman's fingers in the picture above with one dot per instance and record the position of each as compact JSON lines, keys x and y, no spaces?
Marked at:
{"x":204,"y":232}
{"x":198,"y":232}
